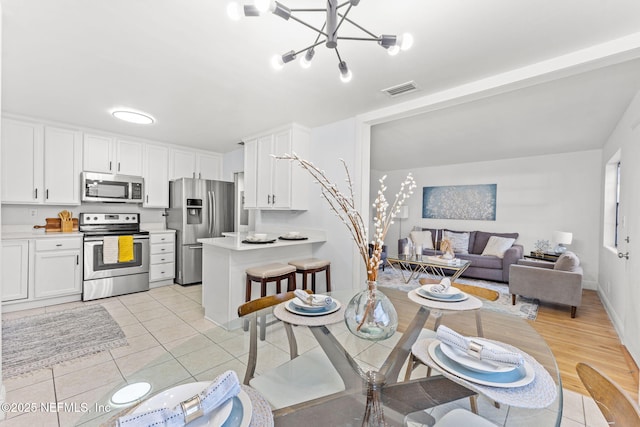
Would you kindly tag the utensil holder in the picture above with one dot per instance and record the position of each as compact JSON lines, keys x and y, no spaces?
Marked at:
{"x":66,"y":225}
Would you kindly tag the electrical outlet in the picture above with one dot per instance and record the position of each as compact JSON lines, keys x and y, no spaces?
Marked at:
{"x":33,"y":212}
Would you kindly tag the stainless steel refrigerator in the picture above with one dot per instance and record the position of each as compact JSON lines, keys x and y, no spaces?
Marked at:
{"x":198,"y":208}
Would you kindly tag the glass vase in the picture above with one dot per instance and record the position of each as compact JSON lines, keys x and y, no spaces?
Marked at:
{"x":370,"y":314}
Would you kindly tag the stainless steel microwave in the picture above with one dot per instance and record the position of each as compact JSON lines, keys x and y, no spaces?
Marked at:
{"x":99,"y":187}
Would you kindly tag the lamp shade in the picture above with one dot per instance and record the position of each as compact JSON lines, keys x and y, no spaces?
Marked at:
{"x":403,"y":213}
{"x":562,"y":237}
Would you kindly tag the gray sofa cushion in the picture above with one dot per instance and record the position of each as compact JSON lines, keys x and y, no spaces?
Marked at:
{"x":568,"y":261}
{"x":459,"y":241}
{"x":482,"y":237}
{"x":480,"y":261}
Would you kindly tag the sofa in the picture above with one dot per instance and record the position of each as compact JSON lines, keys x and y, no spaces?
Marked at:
{"x":494,"y":267}
{"x":559,"y":282}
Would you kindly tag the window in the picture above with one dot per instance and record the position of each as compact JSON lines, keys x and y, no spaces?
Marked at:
{"x":617,"y":227}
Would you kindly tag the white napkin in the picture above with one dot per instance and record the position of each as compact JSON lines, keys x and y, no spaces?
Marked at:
{"x":223,"y":388}
{"x":308,"y":299}
{"x":455,"y":340}
{"x":110,"y":249}
{"x":441,"y":287}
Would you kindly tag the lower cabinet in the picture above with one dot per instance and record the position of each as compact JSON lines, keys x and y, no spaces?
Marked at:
{"x":41,"y":272}
{"x":162,"y":263}
{"x":58,"y":267}
{"x":15,"y":270}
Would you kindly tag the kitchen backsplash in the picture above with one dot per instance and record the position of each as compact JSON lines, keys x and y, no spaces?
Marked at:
{"x":37,"y":214}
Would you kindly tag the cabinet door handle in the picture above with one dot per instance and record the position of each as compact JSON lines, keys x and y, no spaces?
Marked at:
{"x":268,"y":199}
{"x":47,"y":194}
{"x":109,"y":165}
{"x":162,"y":249}
{"x":200,"y":175}
{"x":194,"y":175}
{"x":77,"y":259}
{"x":273,"y":199}
{"x":147,"y":198}
{"x":36,"y":193}
{"x":58,"y":244}
{"x":118,"y":166}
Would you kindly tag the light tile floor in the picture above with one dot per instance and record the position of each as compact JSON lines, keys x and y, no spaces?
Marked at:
{"x":171,"y":343}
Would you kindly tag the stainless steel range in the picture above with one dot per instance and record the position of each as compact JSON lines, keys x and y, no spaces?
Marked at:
{"x":104,"y":276}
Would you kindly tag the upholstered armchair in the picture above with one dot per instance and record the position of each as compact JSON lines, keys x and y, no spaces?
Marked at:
{"x":559,"y":282}
{"x":383,"y":255}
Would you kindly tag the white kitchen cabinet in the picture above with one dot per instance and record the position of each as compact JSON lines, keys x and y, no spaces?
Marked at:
{"x":62,"y":165}
{"x":15,"y":270}
{"x":104,"y":154}
{"x":193,"y":164}
{"x":155,"y":171}
{"x":271,"y":183}
{"x":250,"y":178}
{"x":40,"y":164}
{"x":97,"y":153}
{"x":129,"y":157}
{"x":57,"y":267}
{"x":22,"y":158}
{"x":162,"y":254}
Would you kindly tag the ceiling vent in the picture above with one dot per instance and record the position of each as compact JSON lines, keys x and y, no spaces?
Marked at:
{"x":401,"y":89}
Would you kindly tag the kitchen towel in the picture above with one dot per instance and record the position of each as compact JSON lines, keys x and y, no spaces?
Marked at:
{"x":441,"y":287}
{"x":110,"y":249}
{"x":125,"y":248}
{"x":453,"y":339}
{"x":223,"y":388}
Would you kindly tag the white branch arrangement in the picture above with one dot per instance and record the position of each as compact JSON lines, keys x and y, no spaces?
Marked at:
{"x":343,"y":205}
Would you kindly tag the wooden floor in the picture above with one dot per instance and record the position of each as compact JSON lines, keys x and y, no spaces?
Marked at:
{"x":590,"y":338}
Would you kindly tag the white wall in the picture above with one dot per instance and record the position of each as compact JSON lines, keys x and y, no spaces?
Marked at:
{"x":232,"y":162}
{"x":328,"y":144}
{"x":535,"y":196}
{"x":620,"y":278}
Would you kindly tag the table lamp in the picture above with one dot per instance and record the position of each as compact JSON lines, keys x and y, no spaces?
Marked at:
{"x":562,"y":238}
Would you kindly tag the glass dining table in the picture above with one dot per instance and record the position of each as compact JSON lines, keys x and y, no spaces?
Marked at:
{"x":421,"y":400}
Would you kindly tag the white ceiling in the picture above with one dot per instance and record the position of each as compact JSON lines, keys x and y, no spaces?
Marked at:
{"x":208,"y":82}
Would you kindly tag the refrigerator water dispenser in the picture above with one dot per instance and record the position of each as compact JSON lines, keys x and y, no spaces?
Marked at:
{"x":194,"y":211}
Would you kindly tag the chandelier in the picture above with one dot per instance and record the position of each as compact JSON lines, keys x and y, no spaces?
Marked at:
{"x":336,"y":16}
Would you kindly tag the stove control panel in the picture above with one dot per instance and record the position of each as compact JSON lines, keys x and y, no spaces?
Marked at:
{"x":109,"y":218}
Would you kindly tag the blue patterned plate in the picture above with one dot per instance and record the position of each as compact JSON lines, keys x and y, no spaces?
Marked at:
{"x":295,"y":309}
{"x":461,"y":296}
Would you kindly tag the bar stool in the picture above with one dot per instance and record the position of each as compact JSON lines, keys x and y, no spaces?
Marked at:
{"x":275,"y":272}
{"x":312,"y":266}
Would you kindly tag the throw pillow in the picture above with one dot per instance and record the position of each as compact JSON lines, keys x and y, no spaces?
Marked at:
{"x":459,"y":241}
{"x":422,"y":238}
{"x":497,"y":246}
{"x":568,"y":261}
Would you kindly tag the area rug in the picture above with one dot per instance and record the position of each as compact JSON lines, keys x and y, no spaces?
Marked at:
{"x":525,"y":308}
{"x":40,"y":341}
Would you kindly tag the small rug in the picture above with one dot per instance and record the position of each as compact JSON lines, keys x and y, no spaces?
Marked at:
{"x":40,"y":341}
{"x":526,"y":308}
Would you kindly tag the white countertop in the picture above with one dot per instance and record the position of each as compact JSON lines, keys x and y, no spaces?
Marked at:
{"x":234,"y":242}
{"x":37,"y":234}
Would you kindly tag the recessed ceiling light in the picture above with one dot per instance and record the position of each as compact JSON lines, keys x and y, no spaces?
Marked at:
{"x":133,"y":117}
{"x":131,"y":393}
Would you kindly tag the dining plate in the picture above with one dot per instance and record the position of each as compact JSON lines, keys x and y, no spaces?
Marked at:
{"x":285,"y":237}
{"x":216,"y":418}
{"x":516,"y":378}
{"x":258,"y":242}
{"x":306,"y":307}
{"x":451,"y":292}
{"x":293,"y":308}
{"x":478,"y":365}
{"x":461,"y":297}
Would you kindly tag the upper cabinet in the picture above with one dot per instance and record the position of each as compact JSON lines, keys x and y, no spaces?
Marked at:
{"x":156,"y":176}
{"x":107,"y":155}
{"x":193,"y":164}
{"x":271,"y":183}
{"x":40,"y":164}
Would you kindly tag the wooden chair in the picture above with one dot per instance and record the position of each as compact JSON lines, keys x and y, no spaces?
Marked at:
{"x":308,"y":376}
{"x":616,"y":406}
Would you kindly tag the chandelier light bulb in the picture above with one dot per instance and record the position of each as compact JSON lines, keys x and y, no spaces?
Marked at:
{"x":345,"y":72}
{"x":262,"y":5}
{"x":276,"y":62}
{"x":234,"y":11}
{"x":393,"y":50}
{"x":406,"y":41}
{"x":305,"y":61}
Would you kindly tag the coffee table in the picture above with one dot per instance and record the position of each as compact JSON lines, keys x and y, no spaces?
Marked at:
{"x":429,"y":265}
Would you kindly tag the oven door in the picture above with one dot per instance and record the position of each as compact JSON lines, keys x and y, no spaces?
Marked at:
{"x":95,"y":268}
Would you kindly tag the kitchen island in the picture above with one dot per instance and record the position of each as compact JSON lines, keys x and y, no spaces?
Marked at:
{"x":225,"y":259}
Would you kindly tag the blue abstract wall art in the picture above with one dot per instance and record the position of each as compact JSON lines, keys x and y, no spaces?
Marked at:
{"x":475,"y":202}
